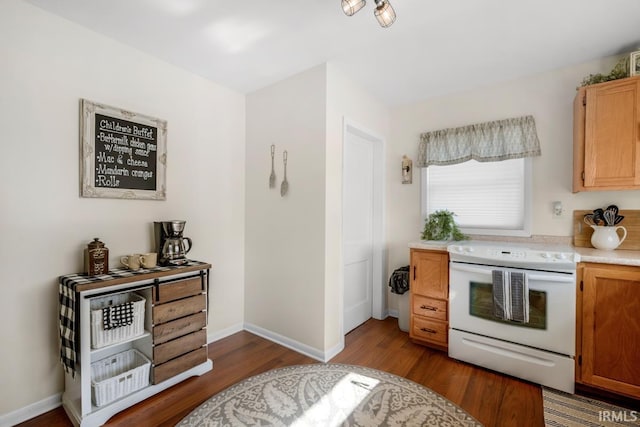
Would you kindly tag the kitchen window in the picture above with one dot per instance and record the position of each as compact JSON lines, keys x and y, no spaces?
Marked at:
{"x":490,"y":198}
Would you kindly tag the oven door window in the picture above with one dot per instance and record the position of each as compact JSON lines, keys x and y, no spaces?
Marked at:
{"x":481,"y":305}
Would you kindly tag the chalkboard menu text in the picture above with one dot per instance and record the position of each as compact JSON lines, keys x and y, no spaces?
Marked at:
{"x":123,"y":153}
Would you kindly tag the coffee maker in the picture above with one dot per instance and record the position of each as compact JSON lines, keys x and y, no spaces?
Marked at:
{"x":171,"y":245}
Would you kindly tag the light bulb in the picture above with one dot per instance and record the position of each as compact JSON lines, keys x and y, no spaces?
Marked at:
{"x":350,"y":7}
{"x":385,"y":14}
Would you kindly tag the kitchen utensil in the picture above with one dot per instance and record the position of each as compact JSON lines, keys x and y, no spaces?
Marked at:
{"x":613,"y":208}
{"x":609,"y":217}
{"x":272,"y":177}
{"x":618,"y":219}
{"x":588,"y":219}
{"x":597,"y":216}
{"x":285,"y":184}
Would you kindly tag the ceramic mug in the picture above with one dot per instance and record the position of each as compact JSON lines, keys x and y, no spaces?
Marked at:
{"x":132,"y":262}
{"x":149,"y":260}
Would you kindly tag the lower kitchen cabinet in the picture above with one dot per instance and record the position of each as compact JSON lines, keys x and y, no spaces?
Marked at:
{"x":154,"y":348}
{"x":429,"y":318}
{"x":609,"y":328}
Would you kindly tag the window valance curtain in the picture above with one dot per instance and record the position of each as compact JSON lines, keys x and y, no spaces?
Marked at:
{"x":485,"y":142}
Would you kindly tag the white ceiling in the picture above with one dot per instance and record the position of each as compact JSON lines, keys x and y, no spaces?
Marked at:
{"x":434,"y":47}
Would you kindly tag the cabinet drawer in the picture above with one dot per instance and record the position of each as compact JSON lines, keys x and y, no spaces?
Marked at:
{"x":177,"y":328}
{"x":431,"y":330}
{"x":429,"y":307}
{"x":179,"y":346}
{"x":174,"y":310}
{"x":177,"y":290}
{"x":181,"y":364}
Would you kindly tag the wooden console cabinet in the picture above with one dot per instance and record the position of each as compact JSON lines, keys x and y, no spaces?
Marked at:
{"x":179,"y":320}
{"x":606,"y":136}
{"x":174,"y":338}
{"x":608,"y":341}
{"x":429,"y":318}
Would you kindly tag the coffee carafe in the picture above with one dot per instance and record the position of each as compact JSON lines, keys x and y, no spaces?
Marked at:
{"x":171,"y":245}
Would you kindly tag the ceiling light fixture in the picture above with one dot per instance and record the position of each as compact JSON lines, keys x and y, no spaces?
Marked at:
{"x":384,"y":12}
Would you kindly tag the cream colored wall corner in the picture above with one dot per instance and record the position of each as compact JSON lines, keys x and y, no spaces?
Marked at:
{"x":44,"y":222}
{"x":284,"y":242}
{"x":345,"y":100}
{"x":294,"y":243}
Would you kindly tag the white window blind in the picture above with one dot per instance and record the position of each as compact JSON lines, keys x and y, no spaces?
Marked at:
{"x":487,"y":198}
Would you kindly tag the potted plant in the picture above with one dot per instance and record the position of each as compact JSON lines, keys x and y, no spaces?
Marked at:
{"x":440,"y":225}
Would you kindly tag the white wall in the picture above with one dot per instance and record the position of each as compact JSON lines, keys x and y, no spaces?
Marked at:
{"x":549,"y":98}
{"x":293,"y":267}
{"x":284,"y":242}
{"x":345,"y":100}
{"x":48,"y":64}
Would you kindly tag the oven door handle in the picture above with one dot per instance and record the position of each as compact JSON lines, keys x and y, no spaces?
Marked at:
{"x":554,"y":278}
{"x":458,"y":267}
{"x":557,"y":278}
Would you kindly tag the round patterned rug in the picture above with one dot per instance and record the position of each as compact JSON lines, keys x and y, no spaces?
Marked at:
{"x":327,"y":395}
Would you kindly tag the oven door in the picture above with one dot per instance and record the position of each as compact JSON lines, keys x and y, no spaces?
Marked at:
{"x":551,"y":302}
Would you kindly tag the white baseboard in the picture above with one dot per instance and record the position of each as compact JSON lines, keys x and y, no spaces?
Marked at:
{"x":333,"y":352}
{"x":50,"y":403}
{"x":218,"y":335}
{"x":294,"y":345}
{"x":31,"y":411}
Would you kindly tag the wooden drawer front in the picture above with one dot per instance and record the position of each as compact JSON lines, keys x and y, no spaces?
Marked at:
{"x":428,"y":307}
{"x":176,"y":290}
{"x":177,"y":328}
{"x":174,"y":310}
{"x":181,"y":364}
{"x":431,"y":330}
{"x":179,"y":346}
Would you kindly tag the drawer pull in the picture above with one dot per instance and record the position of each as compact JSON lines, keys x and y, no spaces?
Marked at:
{"x":431,"y":331}
{"x":428,"y":307}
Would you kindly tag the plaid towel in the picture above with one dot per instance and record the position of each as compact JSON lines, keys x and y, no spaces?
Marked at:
{"x":519,"y":291}
{"x":501,"y":307}
{"x":116,"y":316}
{"x":69,"y":335}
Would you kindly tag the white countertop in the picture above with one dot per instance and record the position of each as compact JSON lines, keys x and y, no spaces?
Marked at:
{"x":618,"y":256}
{"x":433,"y":245}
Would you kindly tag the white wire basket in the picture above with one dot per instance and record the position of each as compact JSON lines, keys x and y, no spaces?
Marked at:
{"x":119,"y":375}
{"x":101,"y":337}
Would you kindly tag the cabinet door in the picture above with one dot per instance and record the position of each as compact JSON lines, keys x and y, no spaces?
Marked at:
{"x":430,"y":273}
{"x":611,"y":328}
{"x":611,"y":146}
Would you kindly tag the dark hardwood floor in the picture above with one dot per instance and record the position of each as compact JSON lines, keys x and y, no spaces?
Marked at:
{"x":492,"y":398}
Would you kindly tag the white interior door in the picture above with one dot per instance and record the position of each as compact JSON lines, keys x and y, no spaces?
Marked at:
{"x":358,"y":224}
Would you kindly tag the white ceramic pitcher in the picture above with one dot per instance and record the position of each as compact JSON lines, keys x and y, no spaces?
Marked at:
{"x":606,"y":237}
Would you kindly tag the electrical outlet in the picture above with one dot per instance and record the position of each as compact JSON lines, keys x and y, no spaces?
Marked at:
{"x":557,"y":210}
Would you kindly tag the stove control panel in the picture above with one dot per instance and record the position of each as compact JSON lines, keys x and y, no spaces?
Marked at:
{"x":493,"y":253}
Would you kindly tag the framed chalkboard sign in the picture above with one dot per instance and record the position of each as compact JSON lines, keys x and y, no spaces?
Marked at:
{"x":123,"y":154}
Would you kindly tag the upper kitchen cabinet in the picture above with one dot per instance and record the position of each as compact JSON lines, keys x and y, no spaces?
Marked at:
{"x":606,"y":145}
